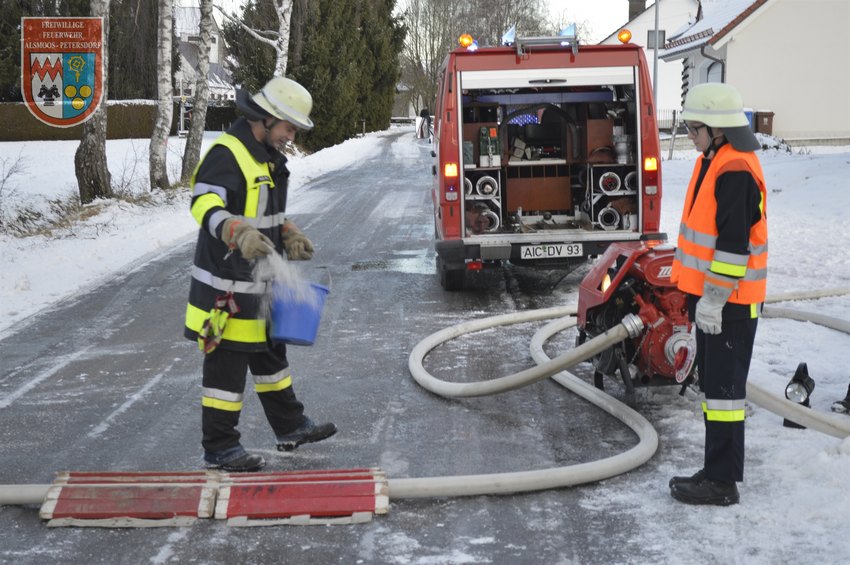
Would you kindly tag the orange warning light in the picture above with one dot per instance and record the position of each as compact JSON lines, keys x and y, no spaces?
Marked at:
{"x":624,"y":36}
{"x":465,"y":40}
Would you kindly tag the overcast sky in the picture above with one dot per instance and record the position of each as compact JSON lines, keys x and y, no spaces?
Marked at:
{"x":603,"y":16}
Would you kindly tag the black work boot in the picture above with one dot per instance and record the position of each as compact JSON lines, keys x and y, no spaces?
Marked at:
{"x":234,"y":459}
{"x":695,"y":478}
{"x":307,"y":432}
{"x":706,"y":491}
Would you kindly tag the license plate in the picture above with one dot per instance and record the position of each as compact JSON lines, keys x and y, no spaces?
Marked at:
{"x":549,"y":250}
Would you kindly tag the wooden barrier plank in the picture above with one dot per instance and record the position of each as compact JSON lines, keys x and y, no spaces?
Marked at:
{"x":132,"y":501}
{"x":84,"y":477}
{"x":312,"y":493}
{"x":150,"y":499}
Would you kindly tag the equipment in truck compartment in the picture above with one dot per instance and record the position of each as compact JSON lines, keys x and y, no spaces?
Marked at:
{"x":556,"y":142}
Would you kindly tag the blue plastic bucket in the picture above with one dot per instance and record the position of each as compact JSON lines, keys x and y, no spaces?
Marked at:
{"x":296,"y":315}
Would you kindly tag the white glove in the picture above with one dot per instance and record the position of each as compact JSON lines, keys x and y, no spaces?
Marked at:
{"x":709,"y":313}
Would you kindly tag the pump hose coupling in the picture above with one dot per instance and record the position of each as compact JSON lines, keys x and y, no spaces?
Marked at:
{"x":633,"y":324}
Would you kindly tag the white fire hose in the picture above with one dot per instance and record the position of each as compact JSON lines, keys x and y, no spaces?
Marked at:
{"x":524,"y":481}
{"x":830,"y":424}
{"x":542,"y":479}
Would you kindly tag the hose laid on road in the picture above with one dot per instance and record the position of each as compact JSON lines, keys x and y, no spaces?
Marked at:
{"x":17,"y":495}
{"x":524,"y":481}
{"x":807,"y":294}
{"x":830,"y":424}
{"x":631,"y":325}
{"x":498,"y":483}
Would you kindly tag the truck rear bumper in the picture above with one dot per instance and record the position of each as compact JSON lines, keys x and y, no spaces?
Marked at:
{"x":457,"y":252}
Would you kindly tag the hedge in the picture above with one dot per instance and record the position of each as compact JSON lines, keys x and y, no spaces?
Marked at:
{"x":126,"y":119}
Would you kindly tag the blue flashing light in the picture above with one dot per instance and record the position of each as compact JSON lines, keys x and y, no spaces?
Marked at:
{"x":569,"y":31}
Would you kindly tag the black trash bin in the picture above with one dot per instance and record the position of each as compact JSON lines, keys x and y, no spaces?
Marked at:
{"x":764,"y":122}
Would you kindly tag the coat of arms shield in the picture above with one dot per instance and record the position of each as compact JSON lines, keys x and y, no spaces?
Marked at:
{"x":62,"y":68}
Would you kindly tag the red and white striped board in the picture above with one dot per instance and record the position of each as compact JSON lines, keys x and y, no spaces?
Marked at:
{"x":130,"y":499}
{"x":151,"y":499}
{"x":302,"y":497}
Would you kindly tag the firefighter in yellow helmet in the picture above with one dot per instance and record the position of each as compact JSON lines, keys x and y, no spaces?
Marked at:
{"x":239,"y":202}
{"x":721,"y":264}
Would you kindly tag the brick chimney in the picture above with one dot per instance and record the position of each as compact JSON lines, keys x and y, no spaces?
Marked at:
{"x":636,"y":7}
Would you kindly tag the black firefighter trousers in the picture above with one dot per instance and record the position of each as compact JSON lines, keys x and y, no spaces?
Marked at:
{"x":723,"y":362}
{"x":226,"y":370}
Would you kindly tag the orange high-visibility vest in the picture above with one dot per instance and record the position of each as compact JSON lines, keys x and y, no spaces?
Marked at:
{"x":696,"y":254}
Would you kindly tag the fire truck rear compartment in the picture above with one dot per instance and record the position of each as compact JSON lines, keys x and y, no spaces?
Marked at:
{"x":541,"y":159}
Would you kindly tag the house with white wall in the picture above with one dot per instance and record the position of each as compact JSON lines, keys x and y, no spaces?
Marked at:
{"x":788,"y":58}
{"x":673,"y":16}
{"x":187,"y":18}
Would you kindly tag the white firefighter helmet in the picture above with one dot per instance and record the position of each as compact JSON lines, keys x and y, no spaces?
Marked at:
{"x":715,"y":104}
{"x":284,"y":99}
{"x":719,"y":105}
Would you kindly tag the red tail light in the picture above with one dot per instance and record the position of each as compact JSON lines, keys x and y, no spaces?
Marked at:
{"x":650,"y":175}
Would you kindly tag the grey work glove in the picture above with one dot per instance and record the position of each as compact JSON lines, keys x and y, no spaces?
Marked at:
{"x":248,"y":239}
{"x":298,"y":246}
{"x":709,"y":313}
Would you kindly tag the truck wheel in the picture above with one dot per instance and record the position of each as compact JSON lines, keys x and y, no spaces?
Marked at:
{"x":450,"y":279}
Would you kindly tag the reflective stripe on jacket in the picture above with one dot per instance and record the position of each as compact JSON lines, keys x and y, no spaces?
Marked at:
{"x":216,"y":270}
{"x":696,"y":253}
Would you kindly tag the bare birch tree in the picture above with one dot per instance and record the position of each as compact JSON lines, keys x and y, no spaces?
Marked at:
{"x":494,"y":17}
{"x":192,"y":153}
{"x":279,"y":40}
{"x":435,"y":25}
{"x":90,"y":165}
{"x":165,"y":106}
{"x":433,"y":28}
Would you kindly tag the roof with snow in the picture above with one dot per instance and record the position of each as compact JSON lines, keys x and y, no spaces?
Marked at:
{"x":718,"y":19}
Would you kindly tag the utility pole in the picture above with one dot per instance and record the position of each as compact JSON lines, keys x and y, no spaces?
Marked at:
{"x":182,"y":125}
{"x":655,"y":63}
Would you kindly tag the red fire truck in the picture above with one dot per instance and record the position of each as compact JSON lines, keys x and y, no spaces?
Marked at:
{"x":546,"y":153}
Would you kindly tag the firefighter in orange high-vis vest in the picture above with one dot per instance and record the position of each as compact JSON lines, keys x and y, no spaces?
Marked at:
{"x":239,"y":200}
{"x":721,"y":263}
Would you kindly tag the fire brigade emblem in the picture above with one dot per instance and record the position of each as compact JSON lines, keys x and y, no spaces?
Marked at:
{"x":62,"y":68}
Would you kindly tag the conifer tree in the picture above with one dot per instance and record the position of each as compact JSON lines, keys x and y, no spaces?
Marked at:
{"x":345,"y":52}
{"x":348,"y":60}
{"x":383,"y":38}
{"x":133,"y":49}
{"x":330,"y":70}
{"x":251,"y":63}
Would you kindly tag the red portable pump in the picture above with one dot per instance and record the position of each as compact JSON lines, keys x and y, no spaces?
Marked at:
{"x":634,"y":278}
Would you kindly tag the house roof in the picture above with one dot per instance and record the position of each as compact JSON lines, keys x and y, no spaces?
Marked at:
{"x":719,"y":18}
